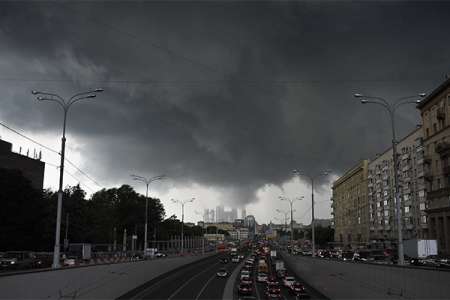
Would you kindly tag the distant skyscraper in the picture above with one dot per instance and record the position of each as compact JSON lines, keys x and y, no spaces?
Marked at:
{"x":220,"y":214}
{"x":233,"y":214}
{"x":244,"y":213}
{"x":206,"y":216}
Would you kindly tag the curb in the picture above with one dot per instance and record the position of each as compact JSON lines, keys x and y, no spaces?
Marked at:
{"x":229,"y":287}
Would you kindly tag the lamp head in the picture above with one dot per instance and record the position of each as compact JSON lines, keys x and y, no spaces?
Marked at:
{"x":35,"y":92}
{"x":98,"y":90}
{"x":422,"y":94}
{"x":357,"y":95}
{"x":364,"y":101}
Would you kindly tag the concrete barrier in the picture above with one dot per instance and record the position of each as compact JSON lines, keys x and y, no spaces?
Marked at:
{"x":99,"y":282}
{"x":344,"y":280}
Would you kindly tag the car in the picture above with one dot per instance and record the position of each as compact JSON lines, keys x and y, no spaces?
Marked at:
{"x":281,"y":274}
{"x":15,"y":260}
{"x":262,"y":277}
{"x":245,"y":289}
{"x":273,"y":286}
{"x":288,"y":281}
{"x":241,"y":257}
{"x":69,"y":261}
{"x":247,"y":297}
{"x":298,"y":290}
{"x":273,"y":294}
{"x":246,"y":280}
{"x":245,"y":274}
{"x":224,"y":260}
{"x":222,"y":272}
{"x":272,"y":279}
{"x":160,"y":254}
{"x":235,"y":259}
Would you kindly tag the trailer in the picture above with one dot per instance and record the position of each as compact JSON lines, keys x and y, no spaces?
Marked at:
{"x":416,"y":248}
{"x":80,"y":251}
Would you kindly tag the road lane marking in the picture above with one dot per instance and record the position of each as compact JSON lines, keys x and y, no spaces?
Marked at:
{"x":190,"y":279}
{"x":204,"y":287}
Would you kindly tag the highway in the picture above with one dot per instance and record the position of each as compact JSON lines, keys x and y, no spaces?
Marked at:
{"x":197,"y":281}
{"x":259,"y":291}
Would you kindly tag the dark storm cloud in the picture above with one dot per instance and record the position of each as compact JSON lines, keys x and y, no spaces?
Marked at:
{"x":245,"y":93}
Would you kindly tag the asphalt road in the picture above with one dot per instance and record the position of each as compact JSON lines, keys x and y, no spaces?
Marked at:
{"x":197,"y":281}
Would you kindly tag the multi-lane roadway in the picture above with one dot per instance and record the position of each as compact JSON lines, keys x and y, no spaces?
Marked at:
{"x":200,"y":281}
{"x":196,"y":281}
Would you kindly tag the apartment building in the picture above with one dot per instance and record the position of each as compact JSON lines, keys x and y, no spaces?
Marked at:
{"x":350,"y":208}
{"x":381,"y":191}
{"x":435,"y":112}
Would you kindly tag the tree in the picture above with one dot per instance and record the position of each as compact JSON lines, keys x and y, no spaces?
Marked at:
{"x":22,"y":214}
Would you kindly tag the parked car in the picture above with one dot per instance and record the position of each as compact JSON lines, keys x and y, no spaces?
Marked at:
{"x":19,"y":260}
{"x":222,"y":272}
{"x":245,"y":289}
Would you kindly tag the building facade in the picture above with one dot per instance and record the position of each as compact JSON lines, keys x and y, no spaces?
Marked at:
{"x":412,"y":194}
{"x":350,"y":206}
{"x":31,"y":168}
{"x":435,"y":113}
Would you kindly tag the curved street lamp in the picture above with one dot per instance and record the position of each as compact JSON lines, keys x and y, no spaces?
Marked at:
{"x":291,"y":203}
{"x":147,"y":182}
{"x":182,"y":202}
{"x":312,"y":178}
{"x":65,"y":105}
{"x":391,"y":109}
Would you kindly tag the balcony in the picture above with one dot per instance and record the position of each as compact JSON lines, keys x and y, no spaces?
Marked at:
{"x":440,"y":113}
{"x":409,"y":226}
{"x":443,"y":148}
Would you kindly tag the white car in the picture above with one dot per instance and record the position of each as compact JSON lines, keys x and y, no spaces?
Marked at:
{"x":245,"y":274}
{"x":262,"y":277}
{"x":222,"y":273}
{"x":235,"y":259}
{"x":288,"y":281}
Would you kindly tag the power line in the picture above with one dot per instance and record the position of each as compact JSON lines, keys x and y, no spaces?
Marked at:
{"x":71,"y":175}
{"x":51,"y":150}
{"x":212,"y":82}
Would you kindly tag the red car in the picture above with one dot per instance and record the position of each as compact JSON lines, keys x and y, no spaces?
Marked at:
{"x":245,"y":289}
{"x":246,"y":280}
{"x":273,"y":286}
{"x":298,"y":290}
{"x":273,"y":294}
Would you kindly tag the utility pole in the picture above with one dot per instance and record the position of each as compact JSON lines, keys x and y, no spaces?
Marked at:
{"x":65,"y":104}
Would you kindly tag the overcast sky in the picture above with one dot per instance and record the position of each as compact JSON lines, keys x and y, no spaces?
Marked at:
{"x":225,"y":98}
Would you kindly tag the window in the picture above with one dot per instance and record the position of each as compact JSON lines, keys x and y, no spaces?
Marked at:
{"x":424,"y":219}
{"x":406,"y":209}
{"x":434,"y":128}
{"x":427,"y":133}
{"x":422,"y":206}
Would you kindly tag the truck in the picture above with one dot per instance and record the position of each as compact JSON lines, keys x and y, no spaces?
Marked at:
{"x":273,"y":253}
{"x":417,"y":248}
{"x":80,"y":251}
{"x":234,"y":251}
{"x":279,"y":265}
{"x":262,"y":267}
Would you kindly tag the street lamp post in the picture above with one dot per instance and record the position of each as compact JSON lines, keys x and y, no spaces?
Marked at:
{"x":203,"y":231}
{"x":291,"y":203}
{"x":391,"y":109}
{"x":312,"y":178}
{"x":147,"y":182}
{"x":286,"y":216}
{"x":182,"y":202}
{"x":65,"y":104}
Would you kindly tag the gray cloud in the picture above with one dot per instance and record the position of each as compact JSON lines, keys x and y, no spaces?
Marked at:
{"x":247,"y":92}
